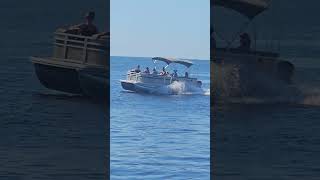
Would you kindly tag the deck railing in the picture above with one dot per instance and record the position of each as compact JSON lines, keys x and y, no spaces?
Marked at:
{"x":82,"y":49}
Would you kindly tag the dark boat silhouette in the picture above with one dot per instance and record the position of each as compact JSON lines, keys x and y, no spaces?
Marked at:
{"x":242,"y":72}
{"x":94,"y":82}
{"x":75,"y":62}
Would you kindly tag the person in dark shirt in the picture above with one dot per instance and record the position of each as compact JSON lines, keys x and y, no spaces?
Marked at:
{"x":147,"y":71}
{"x":87,"y":28}
{"x":137,"y":70}
{"x":186,"y":74}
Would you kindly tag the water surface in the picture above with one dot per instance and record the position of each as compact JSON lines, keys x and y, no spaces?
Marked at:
{"x":158,"y":136}
{"x":45,"y":134}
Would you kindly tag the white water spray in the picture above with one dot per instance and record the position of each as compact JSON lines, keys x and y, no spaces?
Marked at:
{"x":182,"y":88}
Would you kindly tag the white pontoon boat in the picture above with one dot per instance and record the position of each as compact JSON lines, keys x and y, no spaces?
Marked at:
{"x":138,"y":81}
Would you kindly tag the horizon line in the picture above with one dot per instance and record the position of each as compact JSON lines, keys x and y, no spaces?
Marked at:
{"x":196,"y":59}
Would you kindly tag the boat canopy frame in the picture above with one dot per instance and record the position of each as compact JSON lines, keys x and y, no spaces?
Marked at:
{"x":169,"y":61}
{"x":248,"y":8}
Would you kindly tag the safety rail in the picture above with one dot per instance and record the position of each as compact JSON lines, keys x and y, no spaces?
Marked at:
{"x":82,"y":49}
{"x":145,"y":77}
{"x":132,"y":75}
{"x":251,"y":52}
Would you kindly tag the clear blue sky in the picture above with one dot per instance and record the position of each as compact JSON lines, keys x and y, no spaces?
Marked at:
{"x":170,"y":28}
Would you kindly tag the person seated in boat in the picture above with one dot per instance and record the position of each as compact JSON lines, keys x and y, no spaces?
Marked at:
{"x":245,"y":42}
{"x":137,"y":70}
{"x":175,"y":74}
{"x":147,"y":71}
{"x":163,"y":72}
{"x":101,"y":35}
{"x":85,"y":29}
{"x":186,"y":74}
{"x":154,"y":71}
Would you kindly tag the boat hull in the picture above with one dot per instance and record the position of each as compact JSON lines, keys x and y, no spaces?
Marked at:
{"x":94,"y":83}
{"x":73,"y":54}
{"x":243,"y":74}
{"x":127,"y":85}
{"x":142,"y":87}
{"x":58,"y":78}
{"x":149,"y":88}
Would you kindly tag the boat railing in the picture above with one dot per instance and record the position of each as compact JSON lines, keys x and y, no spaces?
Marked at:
{"x":132,"y":75}
{"x":247,"y":52}
{"x":136,"y":76}
{"x":81,"y":49}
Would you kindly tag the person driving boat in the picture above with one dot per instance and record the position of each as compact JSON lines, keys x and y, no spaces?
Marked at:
{"x":163,"y":72}
{"x":87,"y":28}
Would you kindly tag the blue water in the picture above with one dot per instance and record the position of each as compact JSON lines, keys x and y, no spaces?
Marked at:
{"x":158,"y":136}
{"x":45,"y":134}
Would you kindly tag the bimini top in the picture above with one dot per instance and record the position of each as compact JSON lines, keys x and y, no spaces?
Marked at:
{"x":249,"y":8}
{"x":184,"y":62}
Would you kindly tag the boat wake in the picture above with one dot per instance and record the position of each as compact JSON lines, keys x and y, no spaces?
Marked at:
{"x":57,"y":95}
{"x":259,"y":88}
{"x":182,"y":88}
{"x":306,"y":98}
{"x":311,"y":96}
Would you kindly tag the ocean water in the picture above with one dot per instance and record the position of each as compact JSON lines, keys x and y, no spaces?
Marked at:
{"x":159,"y":136}
{"x":45,"y":134}
{"x":275,"y":137}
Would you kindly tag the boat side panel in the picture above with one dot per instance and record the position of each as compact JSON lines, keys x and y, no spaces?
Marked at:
{"x":57,"y":78}
{"x":94,"y":83}
{"x":128,"y":86}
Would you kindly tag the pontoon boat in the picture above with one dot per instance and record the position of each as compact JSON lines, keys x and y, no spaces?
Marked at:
{"x":79,"y":64}
{"x":152,"y":82}
{"x":243,"y":72}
